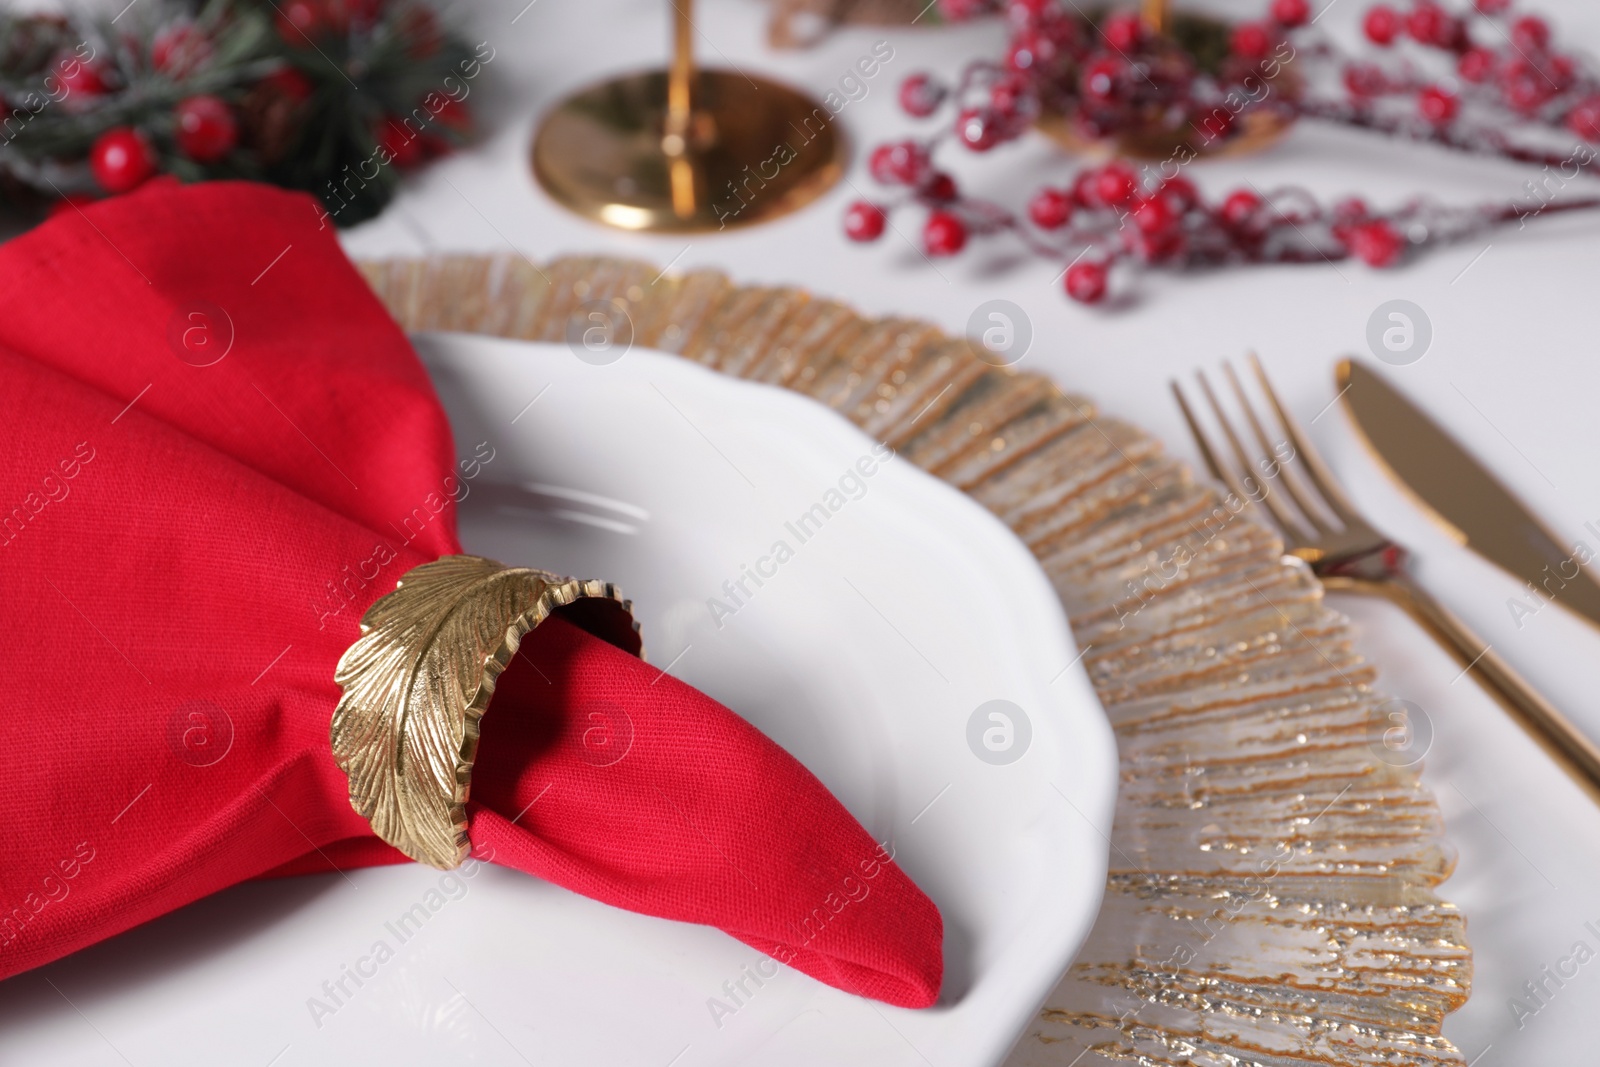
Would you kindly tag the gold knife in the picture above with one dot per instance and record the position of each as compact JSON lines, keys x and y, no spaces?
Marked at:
{"x":1463,"y":497}
{"x":1455,"y":489}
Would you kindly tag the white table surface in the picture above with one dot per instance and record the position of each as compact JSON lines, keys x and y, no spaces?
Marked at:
{"x":1512,"y":370}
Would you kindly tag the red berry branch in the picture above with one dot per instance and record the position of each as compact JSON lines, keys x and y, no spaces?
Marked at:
{"x":330,"y":96}
{"x":1482,"y":81}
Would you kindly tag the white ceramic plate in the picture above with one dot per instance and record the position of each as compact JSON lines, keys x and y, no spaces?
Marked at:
{"x":866,"y":655}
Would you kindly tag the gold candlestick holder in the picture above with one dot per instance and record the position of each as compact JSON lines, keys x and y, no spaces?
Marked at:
{"x":685,"y":149}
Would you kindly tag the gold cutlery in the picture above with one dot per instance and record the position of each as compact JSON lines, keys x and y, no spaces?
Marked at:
{"x":1321,"y":526}
{"x":1463,"y":497}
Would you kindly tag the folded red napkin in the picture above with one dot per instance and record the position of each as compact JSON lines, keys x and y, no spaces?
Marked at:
{"x":221,"y":451}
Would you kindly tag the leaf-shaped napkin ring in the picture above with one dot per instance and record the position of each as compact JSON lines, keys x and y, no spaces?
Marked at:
{"x":417,"y":681}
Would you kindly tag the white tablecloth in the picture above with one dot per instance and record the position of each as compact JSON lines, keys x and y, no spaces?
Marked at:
{"x":1512,"y":370}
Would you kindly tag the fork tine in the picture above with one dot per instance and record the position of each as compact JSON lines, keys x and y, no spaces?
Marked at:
{"x":1301,"y":499}
{"x":1207,"y":451}
{"x":1318,"y":471}
{"x":1264,"y":495}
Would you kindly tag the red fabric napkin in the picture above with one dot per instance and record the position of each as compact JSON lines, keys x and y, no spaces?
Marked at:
{"x":220,"y":451}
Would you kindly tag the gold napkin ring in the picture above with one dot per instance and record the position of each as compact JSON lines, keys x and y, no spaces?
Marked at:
{"x":417,"y":682}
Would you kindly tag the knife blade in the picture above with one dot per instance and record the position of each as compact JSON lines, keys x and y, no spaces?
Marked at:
{"x":1459,"y":493}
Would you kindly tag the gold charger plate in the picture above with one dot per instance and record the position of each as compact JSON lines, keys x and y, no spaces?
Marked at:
{"x":1270,"y":899}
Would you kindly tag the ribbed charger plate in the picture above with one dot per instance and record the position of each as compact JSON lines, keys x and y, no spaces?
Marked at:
{"x":1271,"y":891}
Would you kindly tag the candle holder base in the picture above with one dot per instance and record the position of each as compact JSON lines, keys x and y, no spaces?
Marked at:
{"x":753,"y":150}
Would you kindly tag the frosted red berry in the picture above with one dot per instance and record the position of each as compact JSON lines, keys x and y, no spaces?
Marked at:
{"x":979,"y":128}
{"x":1153,"y":215}
{"x":1085,"y":282}
{"x":78,"y":76}
{"x":1427,"y":23}
{"x":1100,"y":77}
{"x":1156,"y":246}
{"x":1028,"y":12}
{"x":1476,"y":65}
{"x":898,"y":163}
{"x":121,"y":159}
{"x":1009,"y":95}
{"x":944,"y":234}
{"x":1250,"y":40}
{"x":1032,"y":51}
{"x":863,"y":221}
{"x":1115,"y":185}
{"x":206,"y":128}
{"x":1524,"y":86}
{"x":961,"y":10}
{"x":1050,"y":209}
{"x":1437,"y":105}
{"x":1351,"y":209}
{"x":1083,"y":194}
{"x":1123,"y":30}
{"x":939,"y":186}
{"x":1180,"y":193}
{"x":1381,"y":24}
{"x":1240,"y":207}
{"x":300,"y":21}
{"x":1530,"y":33}
{"x":1291,"y":13}
{"x":1364,"y":80}
{"x":1584,"y":118}
{"x":1348,"y":213}
{"x":1376,"y":243}
{"x":921,"y":95}
{"x":1561,"y":70}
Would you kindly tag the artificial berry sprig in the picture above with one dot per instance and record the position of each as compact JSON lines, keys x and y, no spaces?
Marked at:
{"x":334,"y":97}
{"x":1510,"y":93}
{"x":1109,"y":217}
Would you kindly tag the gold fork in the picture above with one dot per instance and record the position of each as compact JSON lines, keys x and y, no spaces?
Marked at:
{"x":1320,"y":525}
